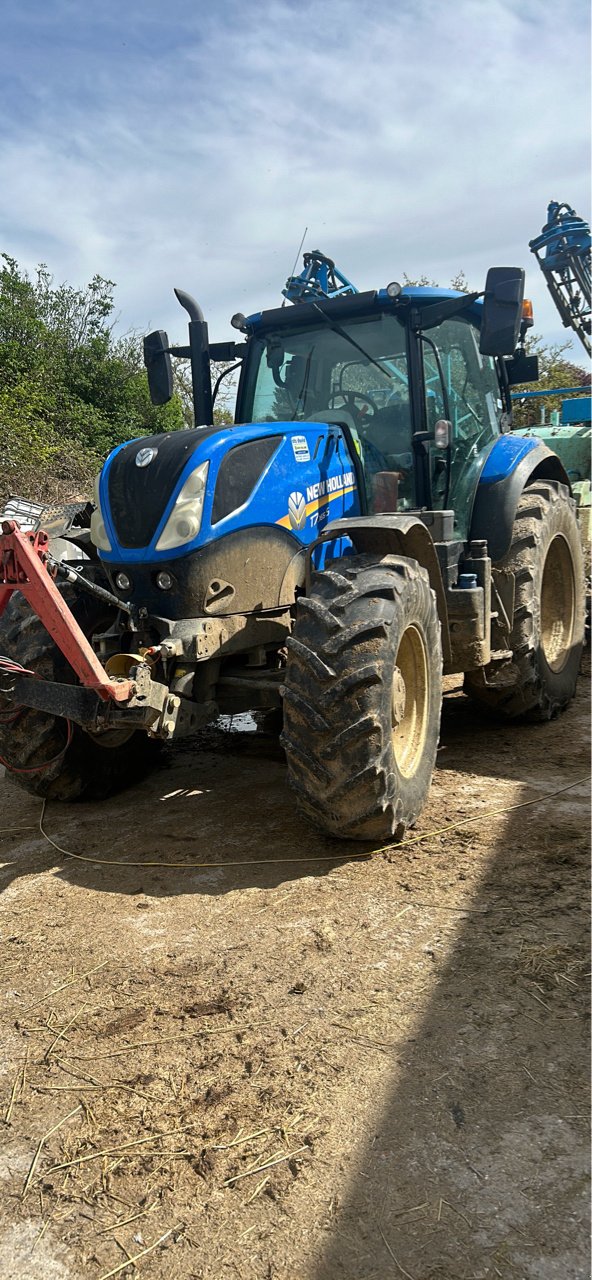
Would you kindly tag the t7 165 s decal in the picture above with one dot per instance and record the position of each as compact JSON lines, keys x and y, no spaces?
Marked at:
{"x":318,"y":496}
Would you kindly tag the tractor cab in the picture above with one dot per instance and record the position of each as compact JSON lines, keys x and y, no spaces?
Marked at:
{"x":355,"y":376}
{"x":420,"y":409}
{"x":415,"y":381}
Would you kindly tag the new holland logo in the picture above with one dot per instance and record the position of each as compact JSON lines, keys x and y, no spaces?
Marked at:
{"x":297,"y":510}
{"x":145,"y":456}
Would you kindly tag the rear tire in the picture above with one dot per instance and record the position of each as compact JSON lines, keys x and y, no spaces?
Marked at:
{"x":548,"y":624}
{"x":363,"y":694}
{"x":89,"y":768}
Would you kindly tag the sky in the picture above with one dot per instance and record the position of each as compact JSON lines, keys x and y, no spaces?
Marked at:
{"x":190,"y":144}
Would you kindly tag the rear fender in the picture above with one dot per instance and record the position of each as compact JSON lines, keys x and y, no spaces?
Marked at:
{"x":501,"y":485}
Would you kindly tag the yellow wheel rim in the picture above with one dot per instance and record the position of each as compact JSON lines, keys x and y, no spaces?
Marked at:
{"x":558,"y":604}
{"x":410,"y":702}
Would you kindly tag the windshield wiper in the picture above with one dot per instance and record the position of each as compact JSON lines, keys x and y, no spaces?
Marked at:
{"x":344,"y":334}
{"x":301,"y":397}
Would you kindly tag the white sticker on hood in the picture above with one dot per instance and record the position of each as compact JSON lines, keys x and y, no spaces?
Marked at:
{"x":301,"y":449}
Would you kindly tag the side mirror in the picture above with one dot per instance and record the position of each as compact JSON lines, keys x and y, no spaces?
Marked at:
{"x":502,"y":311}
{"x":158,"y":367}
{"x":522,"y":368}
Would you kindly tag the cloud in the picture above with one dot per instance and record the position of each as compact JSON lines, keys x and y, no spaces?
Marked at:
{"x":191,"y":145}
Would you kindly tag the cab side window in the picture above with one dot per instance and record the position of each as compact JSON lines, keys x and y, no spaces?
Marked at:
{"x":470,"y":380}
{"x":451,"y":354}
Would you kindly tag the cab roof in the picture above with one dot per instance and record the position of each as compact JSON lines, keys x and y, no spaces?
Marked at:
{"x":350,"y":306}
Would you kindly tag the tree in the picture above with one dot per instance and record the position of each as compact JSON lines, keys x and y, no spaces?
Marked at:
{"x":554,"y":371}
{"x":458,"y":282}
{"x":69,"y":389}
{"x":224,"y":399}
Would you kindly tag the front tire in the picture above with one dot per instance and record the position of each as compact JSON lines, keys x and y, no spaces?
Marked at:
{"x":363,"y":694}
{"x":83,"y":766}
{"x":547,"y":632}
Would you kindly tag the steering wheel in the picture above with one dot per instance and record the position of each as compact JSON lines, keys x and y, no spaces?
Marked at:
{"x":349,"y":402}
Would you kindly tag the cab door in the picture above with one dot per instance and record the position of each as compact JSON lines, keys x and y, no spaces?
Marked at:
{"x":461,"y":387}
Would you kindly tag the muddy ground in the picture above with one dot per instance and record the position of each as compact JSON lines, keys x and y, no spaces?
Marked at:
{"x":306,"y":1070}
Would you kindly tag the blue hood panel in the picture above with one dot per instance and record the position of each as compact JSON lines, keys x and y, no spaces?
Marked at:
{"x":308,"y":479}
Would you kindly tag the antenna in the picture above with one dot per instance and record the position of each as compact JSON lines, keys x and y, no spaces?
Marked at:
{"x":298,"y":252}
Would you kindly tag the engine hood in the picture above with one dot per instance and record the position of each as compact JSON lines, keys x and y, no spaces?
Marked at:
{"x":264,"y":473}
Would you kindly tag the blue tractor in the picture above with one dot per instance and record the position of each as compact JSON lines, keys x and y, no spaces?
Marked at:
{"x":367,"y":525}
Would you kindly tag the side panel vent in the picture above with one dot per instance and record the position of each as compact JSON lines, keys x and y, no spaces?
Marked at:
{"x":239,"y":473}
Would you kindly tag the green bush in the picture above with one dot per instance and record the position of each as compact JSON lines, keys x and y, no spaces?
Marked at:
{"x":70,"y":390}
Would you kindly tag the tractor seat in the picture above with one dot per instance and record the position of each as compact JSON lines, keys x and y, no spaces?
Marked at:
{"x":389,"y":429}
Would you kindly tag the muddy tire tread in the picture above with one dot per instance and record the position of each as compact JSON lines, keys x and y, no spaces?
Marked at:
{"x":522,"y":689}
{"x":85,"y":770}
{"x":337,"y":743}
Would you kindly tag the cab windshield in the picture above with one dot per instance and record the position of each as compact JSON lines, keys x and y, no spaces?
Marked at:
{"x":357,"y":376}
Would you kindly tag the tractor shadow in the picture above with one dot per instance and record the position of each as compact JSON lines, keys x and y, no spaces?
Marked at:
{"x":474,"y":1160}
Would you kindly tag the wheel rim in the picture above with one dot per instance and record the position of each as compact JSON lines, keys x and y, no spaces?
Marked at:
{"x":110,"y":739}
{"x":410,"y":702}
{"x":558,"y":603}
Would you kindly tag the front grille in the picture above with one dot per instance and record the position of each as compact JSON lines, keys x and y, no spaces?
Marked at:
{"x":138,"y":495}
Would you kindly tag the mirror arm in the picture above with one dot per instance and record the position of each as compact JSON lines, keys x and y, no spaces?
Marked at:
{"x":433,"y":313}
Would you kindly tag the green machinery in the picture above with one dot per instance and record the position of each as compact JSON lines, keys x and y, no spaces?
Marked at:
{"x":563,"y":252}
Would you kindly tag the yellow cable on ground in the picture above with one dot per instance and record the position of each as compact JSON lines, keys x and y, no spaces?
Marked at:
{"x":313,"y":857}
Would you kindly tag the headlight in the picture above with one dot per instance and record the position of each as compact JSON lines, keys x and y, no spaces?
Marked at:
{"x":98,"y":532}
{"x":184,"y":522}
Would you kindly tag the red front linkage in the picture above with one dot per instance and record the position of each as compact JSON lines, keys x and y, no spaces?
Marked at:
{"x":23,"y":568}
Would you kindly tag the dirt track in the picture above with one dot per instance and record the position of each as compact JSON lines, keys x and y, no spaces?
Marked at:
{"x":346,"y":1070}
